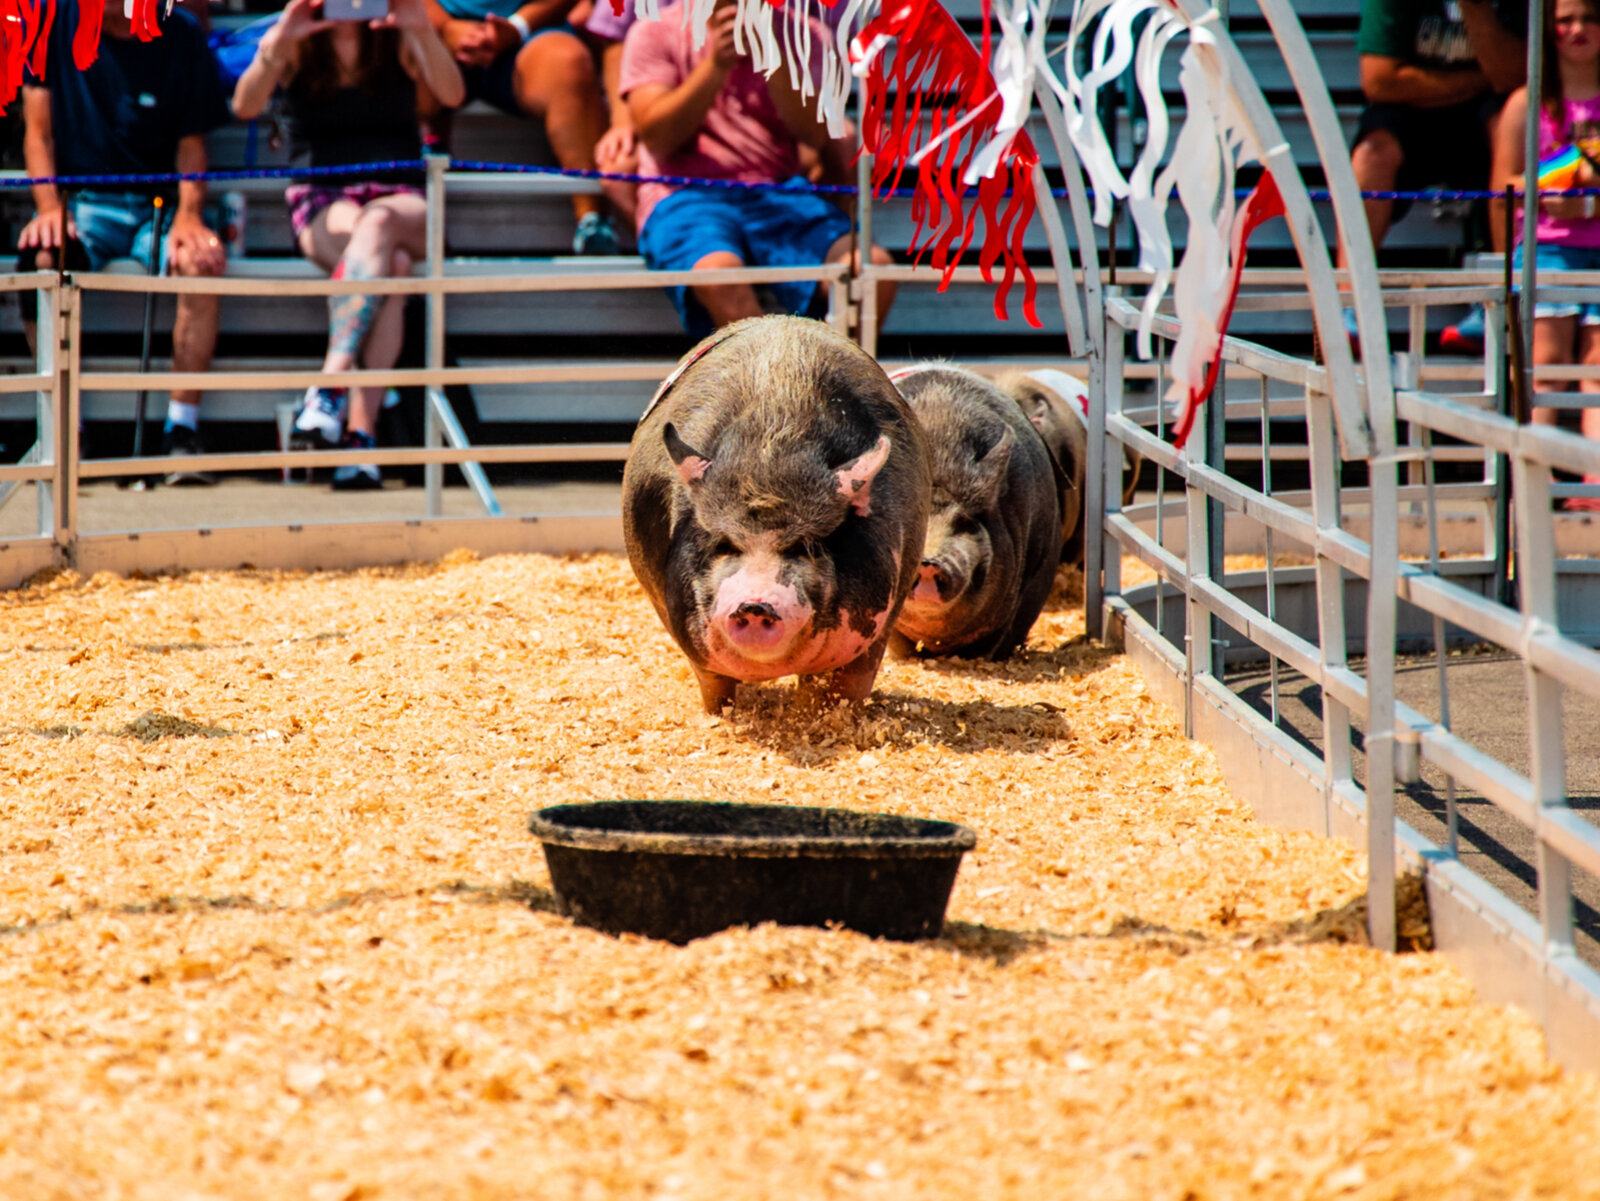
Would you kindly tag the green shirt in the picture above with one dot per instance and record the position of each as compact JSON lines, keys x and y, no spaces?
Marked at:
{"x":1429,"y":33}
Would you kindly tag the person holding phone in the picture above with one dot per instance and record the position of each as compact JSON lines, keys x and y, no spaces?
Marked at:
{"x":354,"y":91}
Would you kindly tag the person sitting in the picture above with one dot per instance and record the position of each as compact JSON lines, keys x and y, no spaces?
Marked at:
{"x":353,"y":94}
{"x":141,"y":108}
{"x":617,"y":151}
{"x":525,"y":59}
{"x":1435,"y":74}
{"x":709,"y":114}
{"x":1568,"y":229}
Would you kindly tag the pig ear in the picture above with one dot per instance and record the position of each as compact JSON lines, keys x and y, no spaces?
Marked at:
{"x":691,"y":463}
{"x":991,"y":469}
{"x":855,"y":478}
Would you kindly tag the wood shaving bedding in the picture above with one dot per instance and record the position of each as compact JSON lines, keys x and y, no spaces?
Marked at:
{"x":272,"y":926}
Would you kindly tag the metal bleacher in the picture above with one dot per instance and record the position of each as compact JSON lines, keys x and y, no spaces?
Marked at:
{"x":522,"y":224}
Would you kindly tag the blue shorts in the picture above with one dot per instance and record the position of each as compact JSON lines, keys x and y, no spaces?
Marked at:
{"x":118,"y":225}
{"x":1563,"y":258}
{"x":765,"y":228}
{"x":496,"y":83}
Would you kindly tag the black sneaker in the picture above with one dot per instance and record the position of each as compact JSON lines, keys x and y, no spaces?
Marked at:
{"x":357,"y":477}
{"x":179,"y":441}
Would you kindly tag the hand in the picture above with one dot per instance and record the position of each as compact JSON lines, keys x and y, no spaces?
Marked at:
{"x":724,"y":52}
{"x":1573,"y":208}
{"x":48,"y":230}
{"x":405,"y":15}
{"x":298,"y":21}
{"x":194,"y":246}
{"x":616,"y":147}
{"x":504,"y":34}
{"x":471,"y":42}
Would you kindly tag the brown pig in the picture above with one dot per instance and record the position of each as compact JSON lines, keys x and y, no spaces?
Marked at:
{"x":1058,"y":406}
{"x":994,"y":531}
{"x":774,"y":505}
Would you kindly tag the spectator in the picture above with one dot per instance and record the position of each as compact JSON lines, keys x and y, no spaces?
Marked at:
{"x":707,"y":113}
{"x":141,"y":108}
{"x":618,"y":148}
{"x":1568,"y":227}
{"x":354,"y":92}
{"x":525,"y":59}
{"x":1434,"y":73}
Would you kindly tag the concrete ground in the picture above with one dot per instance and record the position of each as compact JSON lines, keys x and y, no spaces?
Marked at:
{"x":1489,"y":709}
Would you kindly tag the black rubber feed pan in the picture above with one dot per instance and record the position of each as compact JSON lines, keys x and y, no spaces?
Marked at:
{"x":678,"y":870}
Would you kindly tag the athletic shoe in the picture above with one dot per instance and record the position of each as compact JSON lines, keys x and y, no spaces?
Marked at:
{"x":359,"y":477}
{"x":595,"y":236}
{"x":179,"y":441}
{"x":319,"y":424}
{"x":1467,"y":336}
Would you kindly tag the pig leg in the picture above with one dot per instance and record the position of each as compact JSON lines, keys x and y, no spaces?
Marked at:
{"x":852,"y":682}
{"x":716,"y":692}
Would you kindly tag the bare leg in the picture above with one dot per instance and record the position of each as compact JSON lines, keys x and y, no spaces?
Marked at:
{"x":1552,"y":344}
{"x":840,"y":251}
{"x":361,"y":244}
{"x":382,"y":349}
{"x":194,"y":329}
{"x":726,"y":302}
{"x":1376,"y":161}
{"x":556,"y":82}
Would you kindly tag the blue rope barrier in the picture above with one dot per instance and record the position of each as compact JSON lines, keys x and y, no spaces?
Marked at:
{"x":413,"y":166}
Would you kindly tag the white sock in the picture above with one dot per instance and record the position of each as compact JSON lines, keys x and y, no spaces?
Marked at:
{"x":179,"y":413}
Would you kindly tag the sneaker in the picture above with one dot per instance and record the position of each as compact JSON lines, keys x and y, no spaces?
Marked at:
{"x":319,"y":425}
{"x":360,"y":477}
{"x":179,"y":441}
{"x":594,"y":236}
{"x":1467,"y":336}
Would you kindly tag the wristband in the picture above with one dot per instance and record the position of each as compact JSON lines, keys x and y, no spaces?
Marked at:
{"x":520,"y":23}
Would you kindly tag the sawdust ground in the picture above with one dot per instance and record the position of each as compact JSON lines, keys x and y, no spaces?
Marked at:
{"x":272,"y":927}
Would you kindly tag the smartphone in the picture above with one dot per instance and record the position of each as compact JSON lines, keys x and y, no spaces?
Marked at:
{"x":354,"y":10}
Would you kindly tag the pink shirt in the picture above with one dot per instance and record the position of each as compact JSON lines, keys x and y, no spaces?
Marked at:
{"x":743,"y":137}
{"x":1581,"y":129}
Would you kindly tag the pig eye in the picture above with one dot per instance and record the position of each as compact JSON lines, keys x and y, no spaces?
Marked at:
{"x":964,"y":527}
{"x":724,"y":547}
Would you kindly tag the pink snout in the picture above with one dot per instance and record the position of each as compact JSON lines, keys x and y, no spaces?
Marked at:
{"x":932,"y":584}
{"x":756,"y":627}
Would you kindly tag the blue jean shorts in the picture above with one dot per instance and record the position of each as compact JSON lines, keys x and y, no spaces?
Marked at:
{"x":785,"y":227}
{"x":118,"y":225}
{"x":1564,"y":258}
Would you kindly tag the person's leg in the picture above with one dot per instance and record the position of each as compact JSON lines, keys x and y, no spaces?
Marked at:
{"x":194,"y":329}
{"x":691,"y":230}
{"x":1376,"y":161}
{"x":554,"y":81}
{"x":725,"y":302}
{"x":382,"y":349}
{"x":840,"y":251}
{"x":1552,"y":345}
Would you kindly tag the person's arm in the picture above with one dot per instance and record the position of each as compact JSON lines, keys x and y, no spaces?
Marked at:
{"x":666,"y":118}
{"x":1387,"y":80}
{"x":189,"y":232}
{"x":471,"y":43}
{"x":617,"y":142}
{"x":1502,"y":54}
{"x":51,"y":226}
{"x":539,"y":13}
{"x":423,"y":53}
{"x":799,"y":114}
{"x":275,"y":57}
{"x":1506,"y":167}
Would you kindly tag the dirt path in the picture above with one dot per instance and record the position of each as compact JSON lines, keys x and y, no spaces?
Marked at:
{"x":313,"y":954}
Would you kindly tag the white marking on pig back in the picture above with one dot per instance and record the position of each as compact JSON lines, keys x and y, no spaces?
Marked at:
{"x":1068,"y":387}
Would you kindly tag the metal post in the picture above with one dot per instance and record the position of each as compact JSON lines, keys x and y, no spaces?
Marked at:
{"x":1116,"y":390}
{"x":1331,"y":633}
{"x":433,"y":432}
{"x":1530,"y":143}
{"x":867,"y":275}
{"x":46,"y":408}
{"x":1216,"y":453}
{"x":69,"y":405}
{"x":1536,"y":555}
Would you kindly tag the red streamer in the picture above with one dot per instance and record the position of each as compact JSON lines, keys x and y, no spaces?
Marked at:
{"x":1259,"y":207}
{"x":25,"y":37}
{"x":934,"y":62}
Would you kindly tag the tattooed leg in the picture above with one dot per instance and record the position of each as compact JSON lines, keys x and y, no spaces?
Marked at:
{"x":350,"y":318}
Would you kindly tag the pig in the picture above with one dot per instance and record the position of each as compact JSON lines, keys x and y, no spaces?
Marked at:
{"x":1058,"y":406}
{"x":774,"y":504}
{"x":994,"y":531}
